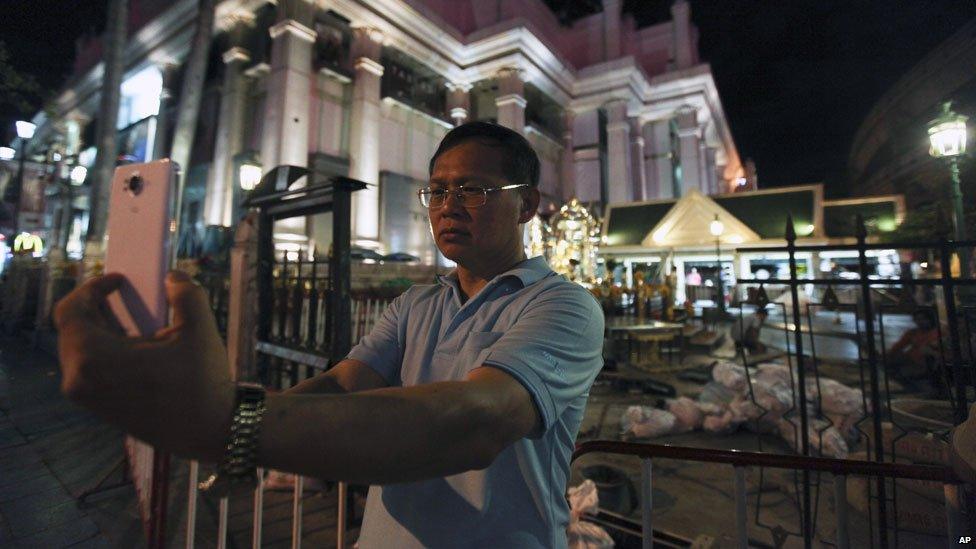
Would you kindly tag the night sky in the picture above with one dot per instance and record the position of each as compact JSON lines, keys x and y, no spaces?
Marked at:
{"x":796,"y":77}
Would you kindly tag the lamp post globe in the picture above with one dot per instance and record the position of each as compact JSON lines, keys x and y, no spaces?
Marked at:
{"x":25,"y":131}
{"x":947,"y":136}
{"x":249,"y":176}
{"x":78,"y":174}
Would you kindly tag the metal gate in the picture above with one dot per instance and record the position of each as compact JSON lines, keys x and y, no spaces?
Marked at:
{"x":870,"y":301}
{"x":304,"y":314}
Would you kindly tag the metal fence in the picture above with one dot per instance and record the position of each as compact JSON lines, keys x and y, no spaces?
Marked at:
{"x":870,"y":305}
{"x":297,"y":346}
{"x":743,"y":461}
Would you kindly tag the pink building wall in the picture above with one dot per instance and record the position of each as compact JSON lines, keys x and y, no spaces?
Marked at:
{"x":581,"y":45}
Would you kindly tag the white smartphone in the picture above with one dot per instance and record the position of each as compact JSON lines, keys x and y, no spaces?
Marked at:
{"x":141,"y":228}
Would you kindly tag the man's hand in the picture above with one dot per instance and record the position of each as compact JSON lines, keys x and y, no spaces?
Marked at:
{"x":172,"y":389}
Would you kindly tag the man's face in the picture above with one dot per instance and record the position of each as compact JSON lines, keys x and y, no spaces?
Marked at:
{"x":472,"y":237}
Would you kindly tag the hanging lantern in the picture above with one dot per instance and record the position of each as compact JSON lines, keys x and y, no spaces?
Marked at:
{"x":577,"y":238}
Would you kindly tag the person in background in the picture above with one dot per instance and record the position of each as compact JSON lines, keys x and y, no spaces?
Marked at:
{"x":914,"y":356}
{"x":746,"y":333}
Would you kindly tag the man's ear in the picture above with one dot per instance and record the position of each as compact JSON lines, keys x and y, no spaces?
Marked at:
{"x":530,"y":204}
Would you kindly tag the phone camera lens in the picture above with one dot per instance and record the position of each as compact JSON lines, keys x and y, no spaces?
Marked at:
{"x":134,"y":185}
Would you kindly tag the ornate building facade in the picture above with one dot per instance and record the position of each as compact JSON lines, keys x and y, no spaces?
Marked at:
{"x":368,"y":88}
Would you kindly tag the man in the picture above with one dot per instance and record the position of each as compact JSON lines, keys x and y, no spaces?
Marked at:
{"x":746,"y":333}
{"x":460,"y":408}
{"x":913,"y":357}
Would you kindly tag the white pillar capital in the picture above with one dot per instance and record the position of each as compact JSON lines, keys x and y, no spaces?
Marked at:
{"x":367,"y":32}
{"x":368,"y":65}
{"x":459,"y":115}
{"x":458,"y":101}
{"x":463,"y":87}
{"x":511,"y":99}
{"x":510,"y":72}
{"x":79,"y":117}
{"x":294,"y":28}
{"x":236,"y":18}
{"x":366,"y":42}
{"x":236,"y":54}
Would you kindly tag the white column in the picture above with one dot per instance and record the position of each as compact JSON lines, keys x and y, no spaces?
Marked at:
{"x":637,"y":159}
{"x":286,"y":116}
{"x":689,"y":135}
{"x":458,"y":102}
{"x":511,"y":99}
{"x":702,"y":170}
{"x":681,"y":34}
{"x":364,"y":135}
{"x":659,"y":173}
{"x":567,"y":160}
{"x":77,"y":122}
{"x":168,"y":70}
{"x":618,"y":152}
{"x":711,"y":171}
{"x":218,"y":203}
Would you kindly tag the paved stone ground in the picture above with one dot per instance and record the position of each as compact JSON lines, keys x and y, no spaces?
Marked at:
{"x":50,"y":452}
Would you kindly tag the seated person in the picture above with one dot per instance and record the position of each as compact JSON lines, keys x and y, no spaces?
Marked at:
{"x":746,"y":333}
{"x":914,"y":355}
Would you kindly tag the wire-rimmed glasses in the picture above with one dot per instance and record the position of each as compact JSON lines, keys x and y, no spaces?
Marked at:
{"x":469,"y":197}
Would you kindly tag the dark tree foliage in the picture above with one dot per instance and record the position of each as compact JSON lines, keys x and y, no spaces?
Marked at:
{"x":18,"y":92}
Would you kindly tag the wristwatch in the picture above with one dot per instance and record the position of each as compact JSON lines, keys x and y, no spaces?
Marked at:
{"x":238,"y":467}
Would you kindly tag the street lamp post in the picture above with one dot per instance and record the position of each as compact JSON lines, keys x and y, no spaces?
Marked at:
{"x":76,"y":177}
{"x":716,"y":227}
{"x":947,"y":134}
{"x":25,"y":131}
{"x":250,"y":175}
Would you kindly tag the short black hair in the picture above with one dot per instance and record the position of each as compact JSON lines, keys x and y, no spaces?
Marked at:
{"x":925,"y":314}
{"x":524,"y":162}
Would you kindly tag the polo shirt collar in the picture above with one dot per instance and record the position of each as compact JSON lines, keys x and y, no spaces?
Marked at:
{"x":528,"y":272}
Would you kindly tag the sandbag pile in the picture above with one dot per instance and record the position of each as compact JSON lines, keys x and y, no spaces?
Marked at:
{"x":584,"y":500}
{"x":766,"y":405}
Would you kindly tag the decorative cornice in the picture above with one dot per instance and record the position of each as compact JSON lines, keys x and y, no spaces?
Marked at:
{"x":510,"y":99}
{"x":510,"y":72}
{"x":339,"y":77}
{"x":236,"y":54}
{"x":368,"y":32}
{"x":458,"y":86}
{"x":293,"y":27}
{"x":368,"y":65}
{"x":258,"y":70}
{"x":234,"y":18}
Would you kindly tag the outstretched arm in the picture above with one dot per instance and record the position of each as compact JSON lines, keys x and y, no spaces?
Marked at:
{"x":174,"y":391}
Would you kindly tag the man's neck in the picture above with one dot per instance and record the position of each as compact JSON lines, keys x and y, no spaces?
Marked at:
{"x":472,"y":280}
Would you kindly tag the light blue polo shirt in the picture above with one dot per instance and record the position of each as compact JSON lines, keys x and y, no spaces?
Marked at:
{"x":543,"y":330}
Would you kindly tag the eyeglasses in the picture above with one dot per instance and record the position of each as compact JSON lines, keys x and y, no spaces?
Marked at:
{"x":470,"y":197}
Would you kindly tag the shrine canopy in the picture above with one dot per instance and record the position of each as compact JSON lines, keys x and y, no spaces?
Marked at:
{"x":756,"y":219}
